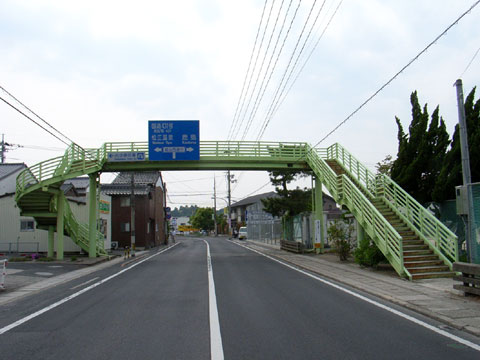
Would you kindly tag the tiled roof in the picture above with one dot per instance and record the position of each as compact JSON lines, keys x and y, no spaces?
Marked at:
{"x":7,"y":169}
{"x":79,"y":182}
{"x":124,"y":189}
{"x":140,"y":178}
{"x":253,"y":199}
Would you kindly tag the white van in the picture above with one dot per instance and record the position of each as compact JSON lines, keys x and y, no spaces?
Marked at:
{"x":242,"y":233}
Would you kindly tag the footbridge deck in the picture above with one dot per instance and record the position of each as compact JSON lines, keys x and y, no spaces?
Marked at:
{"x":413,"y":240}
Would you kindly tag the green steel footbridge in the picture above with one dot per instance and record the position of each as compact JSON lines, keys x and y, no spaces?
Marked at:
{"x":415,"y":243}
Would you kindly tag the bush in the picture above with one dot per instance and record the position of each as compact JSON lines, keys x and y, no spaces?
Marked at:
{"x":368,"y":254}
{"x":73,"y":258}
{"x":339,"y":234}
{"x":20,"y":259}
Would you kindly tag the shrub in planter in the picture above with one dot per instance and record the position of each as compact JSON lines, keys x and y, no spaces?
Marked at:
{"x":368,"y":254}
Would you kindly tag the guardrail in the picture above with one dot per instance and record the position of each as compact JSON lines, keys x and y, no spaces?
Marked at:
{"x":292,"y":246}
{"x":470,"y":278}
{"x":430,"y":229}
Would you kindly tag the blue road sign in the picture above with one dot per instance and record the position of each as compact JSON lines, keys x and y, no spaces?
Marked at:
{"x":173,"y":140}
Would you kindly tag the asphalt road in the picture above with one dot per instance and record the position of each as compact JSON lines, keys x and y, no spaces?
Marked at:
{"x":159,"y":309}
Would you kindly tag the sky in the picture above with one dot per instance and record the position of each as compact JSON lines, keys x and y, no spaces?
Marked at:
{"x":99,"y":70}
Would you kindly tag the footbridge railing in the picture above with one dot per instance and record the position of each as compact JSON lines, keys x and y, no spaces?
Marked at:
{"x":345,"y":192}
{"x":441,"y":240}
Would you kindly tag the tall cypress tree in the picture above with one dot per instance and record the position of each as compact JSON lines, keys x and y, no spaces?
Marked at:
{"x":421,"y":152}
{"x":451,"y":171}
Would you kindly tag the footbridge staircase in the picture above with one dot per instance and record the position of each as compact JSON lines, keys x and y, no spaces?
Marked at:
{"x":411,"y":238}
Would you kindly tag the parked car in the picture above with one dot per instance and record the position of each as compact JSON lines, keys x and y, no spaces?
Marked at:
{"x":242,"y":233}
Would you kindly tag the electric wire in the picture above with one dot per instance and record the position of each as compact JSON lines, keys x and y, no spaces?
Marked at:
{"x":233,"y":125}
{"x":396,"y":75}
{"x":283,"y":84}
{"x":259,"y":73}
{"x":470,"y":63}
{"x":35,"y":122}
{"x":305,"y":62}
{"x":278,"y":55}
{"x":240,"y":122}
{"x":34,"y":113}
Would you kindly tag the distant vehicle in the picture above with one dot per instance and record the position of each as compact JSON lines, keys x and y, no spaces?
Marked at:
{"x":242,"y":233}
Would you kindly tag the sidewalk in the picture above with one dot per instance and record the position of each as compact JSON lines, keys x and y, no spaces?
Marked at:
{"x":434,"y":298}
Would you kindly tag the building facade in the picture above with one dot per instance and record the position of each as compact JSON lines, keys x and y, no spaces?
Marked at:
{"x":148,"y":203}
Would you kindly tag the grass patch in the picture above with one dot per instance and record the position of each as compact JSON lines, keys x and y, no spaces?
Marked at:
{"x":46,"y":259}
{"x":20,"y":259}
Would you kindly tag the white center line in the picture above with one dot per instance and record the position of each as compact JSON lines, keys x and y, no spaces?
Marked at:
{"x":68,"y":298}
{"x":373,"y":302}
{"x":216,"y":347}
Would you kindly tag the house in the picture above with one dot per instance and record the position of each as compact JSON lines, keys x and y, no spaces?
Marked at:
{"x":149,"y":204}
{"x":238,"y":210}
{"x":19,"y":233}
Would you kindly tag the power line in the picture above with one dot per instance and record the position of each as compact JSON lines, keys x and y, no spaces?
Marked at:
{"x":38,"y":116}
{"x":305,"y":62}
{"x":261,"y":67}
{"x":232,"y":127}
{"x":28,"y":117}
{"x":261,"y":92}
{"x":470,"y":63}
{"x":282,"y":85}
{"x":240,"y":122}
{"x":398,"y":73}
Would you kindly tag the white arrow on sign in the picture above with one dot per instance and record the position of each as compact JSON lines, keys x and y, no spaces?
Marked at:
{"x":190,"y":149}
{"x":157,"y":149}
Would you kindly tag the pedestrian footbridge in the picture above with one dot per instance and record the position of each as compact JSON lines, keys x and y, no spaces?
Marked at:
{"x":412,"y":239}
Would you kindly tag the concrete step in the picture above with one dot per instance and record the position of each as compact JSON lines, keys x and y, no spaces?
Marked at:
{"x":419,"y":264}
{"x":428,"y":269}
{"x":415,"y":246}
{"x":417,"y":252}
{"x":413,"y":241}
{"x":414,"y":258}
{"x":433,"y":275}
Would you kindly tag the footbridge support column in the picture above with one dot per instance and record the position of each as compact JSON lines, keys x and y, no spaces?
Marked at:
{"x":319,"y":220}
{"x":92,"y":216}
{"x":60,"y":224}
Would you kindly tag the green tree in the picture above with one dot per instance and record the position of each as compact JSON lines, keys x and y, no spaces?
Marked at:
{"x":288,"y":203}
{"x":202,"y":219}
{"x":451,"y":171}
{"x":385,"y":166}
{"x":421,"y":153}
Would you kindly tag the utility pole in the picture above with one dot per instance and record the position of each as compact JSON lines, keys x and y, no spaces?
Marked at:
{"x":467,"y":179}
{"x":132,"y":213}
{"x":229,"y":220}
{"x":214,"y":205}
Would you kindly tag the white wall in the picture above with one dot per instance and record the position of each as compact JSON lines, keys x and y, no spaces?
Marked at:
{"x":27,"y":240}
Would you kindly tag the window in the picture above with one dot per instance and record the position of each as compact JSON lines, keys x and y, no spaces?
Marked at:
{"x":125,"y":227}
{"x":125,"y":201}
{"x":27,"y":225}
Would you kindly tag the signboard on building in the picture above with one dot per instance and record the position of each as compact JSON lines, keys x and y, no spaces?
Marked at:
{"x":104,"y":206}
{"x":173,"y":140}
{"x":121,"y":156}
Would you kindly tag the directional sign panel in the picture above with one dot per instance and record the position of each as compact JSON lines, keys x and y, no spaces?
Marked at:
{"x":125,"y":156}
{"x":173,"y":140}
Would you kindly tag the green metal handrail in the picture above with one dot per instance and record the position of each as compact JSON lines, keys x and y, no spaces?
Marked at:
{"x":364,"y":177}
{"x":345,"y":192}
{"x":380,"y":230}
{"x":438,"y":236}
